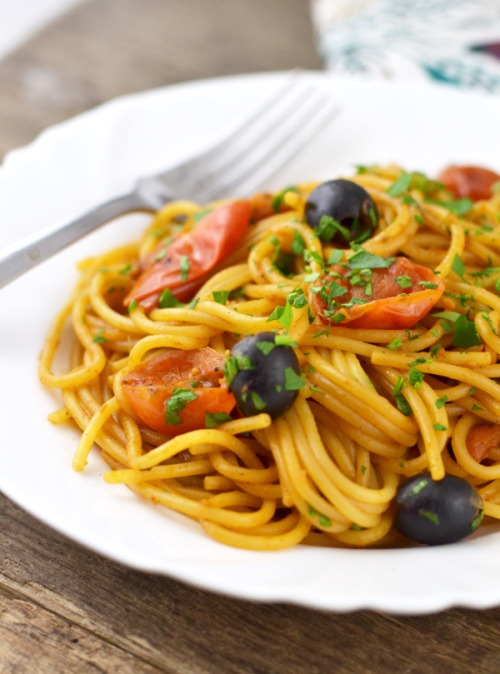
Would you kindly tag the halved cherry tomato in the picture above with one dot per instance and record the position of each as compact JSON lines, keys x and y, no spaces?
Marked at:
{"x":197,"y":373}
{"x":188,"y":259}
{"x":481,"y":440}
{"x":474,"y":182}
{"x":391,"y":305}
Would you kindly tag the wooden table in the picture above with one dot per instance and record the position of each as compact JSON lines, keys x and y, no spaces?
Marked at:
{"x":66,"y":609}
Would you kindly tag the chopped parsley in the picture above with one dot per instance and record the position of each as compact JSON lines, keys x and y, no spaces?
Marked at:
{"x":335,"y":257}
{"x":447,"y":315}
{"x":293,"y":381}
{"x":458,"y":206}
{"x":201,"y":214}
{"x":285,"y":340}
{"x":401,"y":185}
{"x":401,"y":403}
{"x":184,"y":265}
{"x":257,"y":401}
{"x":395,"y":344}
{"x":277,"y":201}
{"x":297,"y":298}
{"x":404,"y":281}
{"x":233,"y":364}
{"x":298,"y":244}
{"x":477,"y":520}
{"x":324,"y":521}
{"x":168,"y":301}
{"x":432,"y":517}
{"x":458,"y":266}
{"x":362,"y":259}
{"x":465,"y":333}
{"x":440,"y":402}
{"x":265,"y":347}
{"x":220,"y":296}
{"x":99,"y":337}
{"x":176,"y":403}
{"x":415,"y":377}
{"x":328,"y":227}
{"x":417,"y":488}
{"x":215,"y":419}
{"x":125,"y":270}
{"x":284,"y":315}
{"x":281,"y":261}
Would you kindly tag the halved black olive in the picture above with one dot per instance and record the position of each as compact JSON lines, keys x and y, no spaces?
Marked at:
{"x":263,"y":374}
{"x":437,"y":511}
{"x":348,"y":204}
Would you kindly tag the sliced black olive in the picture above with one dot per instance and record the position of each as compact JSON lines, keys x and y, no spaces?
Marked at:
{"x":437,"y":511}
{"x":354,"y":213}
{"x":263,"y":375}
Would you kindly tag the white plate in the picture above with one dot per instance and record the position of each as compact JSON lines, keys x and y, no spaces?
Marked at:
{"x":73,"y":166}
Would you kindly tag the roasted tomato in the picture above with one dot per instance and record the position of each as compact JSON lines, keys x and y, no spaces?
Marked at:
{"x":172,"y":392}
{"x":482,"y":440}
{"x":391,"y":298}
{"x":187,"y":261}
{"x":474,"y":182}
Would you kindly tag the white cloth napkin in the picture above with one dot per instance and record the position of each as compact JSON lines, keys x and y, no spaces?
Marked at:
{"x":455,"y":42}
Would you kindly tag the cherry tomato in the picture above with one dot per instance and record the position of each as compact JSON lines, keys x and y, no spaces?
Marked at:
{"x":474,"y":182}
{"x":481,"y":439}
{"x":400,"y":296}
{"x":189,"y":258}
{"x":172,"y":392}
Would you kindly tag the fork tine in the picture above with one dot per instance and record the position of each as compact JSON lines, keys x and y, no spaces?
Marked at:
{"x":276,"y":99}
{"x":283,"y":119}
{"x":244,"y":160}
{"x":271,"y":150}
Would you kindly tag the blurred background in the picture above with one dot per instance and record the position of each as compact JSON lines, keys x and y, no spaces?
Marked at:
{"x":58,"y":63}
{"x":19,"y":20}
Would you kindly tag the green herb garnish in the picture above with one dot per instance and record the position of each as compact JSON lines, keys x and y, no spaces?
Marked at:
{"x":215,"y":419}
{"x":176,"y":403}
{"x":293,"y":381}
{"x":184,"y":265}
{"x":167,"y":300}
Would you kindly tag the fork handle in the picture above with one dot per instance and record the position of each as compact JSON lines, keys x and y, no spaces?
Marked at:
{"x":20,"y":258}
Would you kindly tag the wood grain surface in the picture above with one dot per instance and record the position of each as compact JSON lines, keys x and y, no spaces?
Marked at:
{"x":64,"y":609}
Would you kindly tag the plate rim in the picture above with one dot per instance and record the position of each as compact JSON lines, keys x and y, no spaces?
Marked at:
{"x":263,"y":594}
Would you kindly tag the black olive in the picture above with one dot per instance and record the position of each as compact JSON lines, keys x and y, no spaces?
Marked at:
{"x":263,"y":375}
{"x":351,"y":207}
{"x":437,"y":511}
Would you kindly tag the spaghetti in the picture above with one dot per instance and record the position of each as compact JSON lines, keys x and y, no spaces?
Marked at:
{"x":374,"y":402}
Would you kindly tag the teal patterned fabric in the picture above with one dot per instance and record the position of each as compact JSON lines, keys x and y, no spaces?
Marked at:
{"x":456,"y":42}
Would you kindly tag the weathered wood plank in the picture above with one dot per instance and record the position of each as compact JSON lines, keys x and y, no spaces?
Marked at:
{"x":106,"y":48}
{"x":29,"y":635}
{"x":188,"y":631}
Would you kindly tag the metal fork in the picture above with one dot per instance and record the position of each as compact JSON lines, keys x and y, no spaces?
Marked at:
{"x":237,"y":165}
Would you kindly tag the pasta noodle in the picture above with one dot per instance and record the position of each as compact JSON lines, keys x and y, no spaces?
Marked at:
{"x":374,"y":405}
